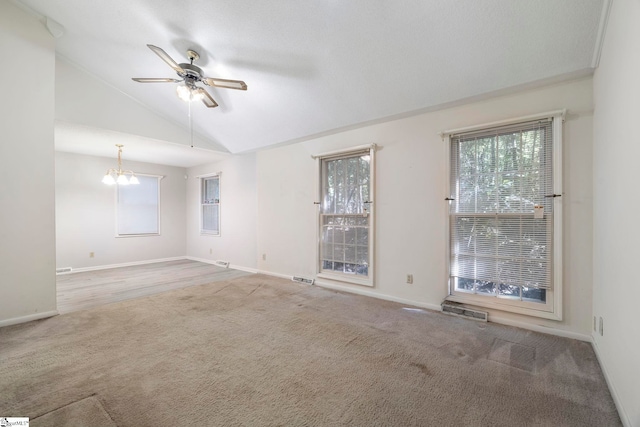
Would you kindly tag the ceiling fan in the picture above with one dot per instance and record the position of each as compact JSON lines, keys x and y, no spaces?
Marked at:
{"x":191,"y":74}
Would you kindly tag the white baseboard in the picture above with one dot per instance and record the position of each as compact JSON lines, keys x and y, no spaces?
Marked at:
{"x":29,"y":318}
{"x":626,"y":421}
{"x":243,"y":268}
{"x":268,"y":273}
{"x":368,"y":293}
{"x":233,"y":266}
{"x":272,"y":273}
{"x":126,"y":264}
{"x":257,"y":271}
{"x":213,"y":262}
{"x":539,"y":328}
{"x":206,"y":261}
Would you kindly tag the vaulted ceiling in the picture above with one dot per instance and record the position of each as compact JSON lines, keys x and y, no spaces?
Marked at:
{"x":316,"y":67}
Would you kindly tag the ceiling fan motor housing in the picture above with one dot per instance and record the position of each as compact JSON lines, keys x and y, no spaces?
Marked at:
{"x":192,"y":70}
{"x":192,"y":74}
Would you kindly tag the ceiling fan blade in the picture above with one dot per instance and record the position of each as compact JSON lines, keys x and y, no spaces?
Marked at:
{"x":227,"y":84}
{"x":155,"y":80}
{"x":207,"y":99}
{"x":166,"y":58}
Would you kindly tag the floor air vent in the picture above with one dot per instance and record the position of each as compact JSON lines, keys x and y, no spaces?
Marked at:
{"x":304,"y":280}
{"x":457,"y":309}
{"x":64,"y":270}
{"x":224,"y":264}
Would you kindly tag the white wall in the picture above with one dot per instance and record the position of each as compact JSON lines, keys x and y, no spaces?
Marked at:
{"x":237,"y":240}
{"x":86,"y":214}
{"x":411,"y":232}
{"x":286,"y":213}
{"x":616,"y":206}
{"x":27,"y":238}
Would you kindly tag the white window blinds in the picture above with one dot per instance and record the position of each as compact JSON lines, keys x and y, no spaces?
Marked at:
{"x":498,"y":178}
{"x":138,"y":207}
{"x":210,"y":205}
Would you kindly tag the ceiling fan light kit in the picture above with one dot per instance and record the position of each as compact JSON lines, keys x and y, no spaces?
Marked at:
{"x":191,"y":75}
{"x":188,"y":93}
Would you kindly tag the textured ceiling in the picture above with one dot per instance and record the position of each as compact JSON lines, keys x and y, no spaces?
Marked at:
{"x":313,"y":67}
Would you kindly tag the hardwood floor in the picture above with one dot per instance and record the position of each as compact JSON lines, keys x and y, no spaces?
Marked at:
{"x":79,"y":291}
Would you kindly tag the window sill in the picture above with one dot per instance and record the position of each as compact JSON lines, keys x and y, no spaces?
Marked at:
{"x":347,"y":279}
{"x":204,"y":233}
{"x":124,"y":236}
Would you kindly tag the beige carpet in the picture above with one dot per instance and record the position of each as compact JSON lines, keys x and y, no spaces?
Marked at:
{"x":262,"y":351}
{"x":86,"y":412}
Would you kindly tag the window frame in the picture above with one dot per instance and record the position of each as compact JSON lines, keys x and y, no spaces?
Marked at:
{"x":552,"y":308}
{"x":117,"y":203}
{"x":369,"y":280}
{"x":201,"y":204}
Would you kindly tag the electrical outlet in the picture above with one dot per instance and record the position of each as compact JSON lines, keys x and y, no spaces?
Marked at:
{"x":410,"y":278}
{"x":601,"y":327}
{"x":91,"y":254}
{"x":264,"y":257}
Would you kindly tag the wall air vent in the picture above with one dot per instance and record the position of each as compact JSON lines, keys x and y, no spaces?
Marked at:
{"x":224,"y":264}
{"x":457,"y":309}
{"x":64,"y":270}
{"x":304,"y":280}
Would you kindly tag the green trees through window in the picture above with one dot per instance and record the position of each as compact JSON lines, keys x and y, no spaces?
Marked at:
{"x":345,"y":222}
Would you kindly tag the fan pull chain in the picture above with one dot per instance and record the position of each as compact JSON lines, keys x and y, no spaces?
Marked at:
{"x":190,"y":125}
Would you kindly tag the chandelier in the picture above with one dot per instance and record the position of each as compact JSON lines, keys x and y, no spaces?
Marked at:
{"x":119,"y":176}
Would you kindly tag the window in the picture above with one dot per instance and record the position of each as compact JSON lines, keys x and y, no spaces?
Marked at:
{"x":346,"y":217}
{"x":504,"y":217}
{"x":138,"y":207}
{"x":210,"y":205}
